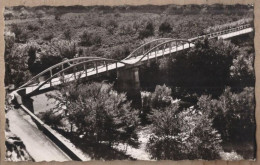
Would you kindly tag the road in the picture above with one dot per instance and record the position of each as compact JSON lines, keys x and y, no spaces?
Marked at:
{"x":37,"y":144}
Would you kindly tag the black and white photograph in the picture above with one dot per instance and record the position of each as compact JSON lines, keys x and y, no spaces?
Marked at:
{"x":144,"y":82}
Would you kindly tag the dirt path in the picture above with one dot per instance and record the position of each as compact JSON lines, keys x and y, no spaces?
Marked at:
{"x":37,"y":144}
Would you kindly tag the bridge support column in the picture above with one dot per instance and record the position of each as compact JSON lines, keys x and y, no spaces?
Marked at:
{"x":128,"y":81}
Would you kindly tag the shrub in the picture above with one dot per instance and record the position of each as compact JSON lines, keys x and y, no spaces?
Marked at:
{"x":52,"y":119}
{"x":185,"y":134}
{"x":8,"y":16}
{"x":16,"y":71}
{"x":136,"y":26}
{"x":61,"y":48}
{"x":39,"y":14}
{"x":51,"y":54}
{"x":16,"y":30}
{"x":112,"y":23}
{"x":120,"y":52}
{"x":204,"y":75}
{"x":48,"y":36}
{"x":233,"y":114}
{"x":165,"y":27}
{"x":159,"y":99}
{"x":57,"y":16}
{"x":242,"y":69}
{"x":67,"y":34}
{"x":161,"y":96}
{"x":32,"y":27}
{"x":100,"y":113}
{"x":148,"y":31}
{"x":98,"y":22}
{"x":9,"y":42}
{"x":89,"y":39}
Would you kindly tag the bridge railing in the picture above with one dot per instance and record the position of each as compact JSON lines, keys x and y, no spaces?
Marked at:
{"x":58,"y":68}
{"x":171,"y":44}
{"x":79,"y":73}
{"x":146,"y":47}
{"x":216,"y":34}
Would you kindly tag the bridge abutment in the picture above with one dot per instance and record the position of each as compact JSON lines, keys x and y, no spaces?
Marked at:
{"x":128,"y":81}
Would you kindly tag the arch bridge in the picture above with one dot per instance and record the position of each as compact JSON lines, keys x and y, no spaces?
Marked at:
{"x":127,"y":68}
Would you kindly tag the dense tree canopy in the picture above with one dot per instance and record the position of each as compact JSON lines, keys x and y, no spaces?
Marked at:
{"x":99,"y":113}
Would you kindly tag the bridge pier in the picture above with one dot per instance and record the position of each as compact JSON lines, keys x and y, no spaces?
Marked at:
{"x":128,"y":81}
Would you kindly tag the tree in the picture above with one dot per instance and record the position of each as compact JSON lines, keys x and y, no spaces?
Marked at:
{"x":16,"y":65}
{"x":67,"y":34}
{"x":165,"y":27}
{"x":120,"y":52}
{"x":233,"y":114}
{"x":39,"y":14}
{"x":99,"y":113}
{"x":111,"y":26}
{"x":242,"y":69}
{"x":159,"y":99}
{"x":89,"y":39}
{"x":148,"y":31}
{"x":136,"y":26}
{"x":8,"y":16}
{"x":206,"y":66}
{"x":182,"y":134}
{"x":17,"y":31}
{"x":161,"y":96}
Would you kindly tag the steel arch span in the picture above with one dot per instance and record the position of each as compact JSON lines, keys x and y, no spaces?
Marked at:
{"x":89,"y":66}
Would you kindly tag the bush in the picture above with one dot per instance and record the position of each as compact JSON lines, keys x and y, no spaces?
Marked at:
{"x":89,"y":39}
{"x":98,"y":22}
{"x":161,"y":96}
{"x":60,"y":48}
{"x":179,"y":135}
{"x":52,"y":119}
{"x":100,"y":113}
{"x":204,"y":75}
{"x":242,"y":70}
{"x":48,"y":36}
{"x":57,"y":16}
{"x":112,"y":23}
{"x":32,"y":27}
{"x":136,"y":26}
{"x":233,"y":114}
{"x":148,"y":31}
{"x":16,"y":30}
{"x":40,"y":14}
{"x":8,"y":16}
{"x":165,"y":27}
{"x":67,"y":34}
{"x":16,"y":71}
{"x":51,"y":54}
{"x":9,"y":42}
{"x":159,"y":99}
{"x":120,"y":52}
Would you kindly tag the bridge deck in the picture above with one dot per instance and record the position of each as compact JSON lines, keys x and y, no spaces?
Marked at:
{"x":237,"y":33}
